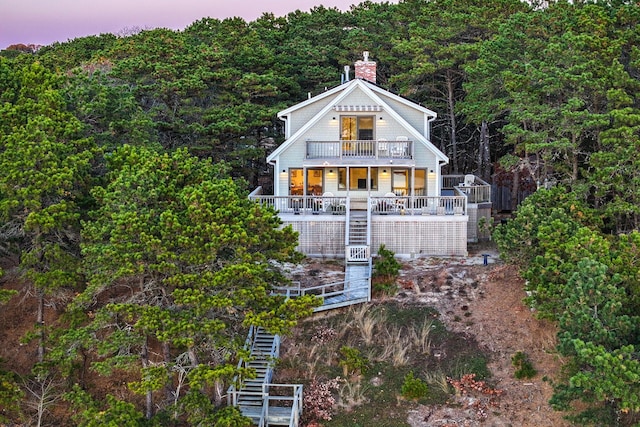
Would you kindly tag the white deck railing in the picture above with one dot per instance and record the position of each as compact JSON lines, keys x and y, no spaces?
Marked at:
{"x":304,"y":205}
{"x":395,"y":205}
{"x":477,"y":192}
{"x":368,"y":149}
{"x":418,"y":205}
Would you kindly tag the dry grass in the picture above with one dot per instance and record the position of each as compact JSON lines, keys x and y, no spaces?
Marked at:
{"x":358,"y":312}
{"x":351,"y":395}
{"x":438,"y":379}
{"x":368,"y":328}
{"x":314,"y":360}
{"x":398,"y":346}
{"x":420,"y":337}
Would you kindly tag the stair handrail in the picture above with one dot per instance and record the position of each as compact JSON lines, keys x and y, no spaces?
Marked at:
{"x":346,"y":221}
{"x":287,"y":291}
{"x":296,"y":399}
{"x":264,"y":414}
{"x":297,"y":404}
{"x":305,"y":291}
{"x":369,"y":224}
{"x":232,"y":391}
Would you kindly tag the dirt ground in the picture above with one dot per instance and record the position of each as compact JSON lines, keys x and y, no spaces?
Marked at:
{"x":482,"y":301}
{"x":485,"y":302}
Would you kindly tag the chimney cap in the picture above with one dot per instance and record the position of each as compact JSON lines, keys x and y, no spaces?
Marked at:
{"x":366,"y":69}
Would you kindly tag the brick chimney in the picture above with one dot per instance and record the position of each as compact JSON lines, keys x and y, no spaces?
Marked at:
{"x":366,"y":69}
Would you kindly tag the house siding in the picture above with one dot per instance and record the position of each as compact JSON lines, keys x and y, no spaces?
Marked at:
{"x":414,"y":117}
{"x":307,"y":113}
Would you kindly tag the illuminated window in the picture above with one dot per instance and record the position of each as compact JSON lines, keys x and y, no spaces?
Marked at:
{"x":296,"y":182}
{"x":358,"y":179}
{"x":356,"y":128}
{"x":400,"y":182}
{"x":314,"y":182}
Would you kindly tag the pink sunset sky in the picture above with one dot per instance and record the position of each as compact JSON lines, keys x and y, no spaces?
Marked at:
{"x":46,"y":21}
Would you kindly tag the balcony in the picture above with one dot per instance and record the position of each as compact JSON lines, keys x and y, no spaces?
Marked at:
{"x":367,"y":149}
{"x":476,"y":190}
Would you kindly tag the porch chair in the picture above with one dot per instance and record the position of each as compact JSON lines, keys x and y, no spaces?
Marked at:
{"x":400,"y":147}
{"x":469,"y":180}
{"x":393,"y":204}
{"x":383,"y":147}
{"x":325,"y":201}
{"x":330,"y":202}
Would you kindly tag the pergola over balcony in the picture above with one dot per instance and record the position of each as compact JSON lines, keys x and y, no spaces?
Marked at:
{"x":360,"y":149}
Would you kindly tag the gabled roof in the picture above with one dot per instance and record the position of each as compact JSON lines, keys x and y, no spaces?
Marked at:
{"x":374,"y":92}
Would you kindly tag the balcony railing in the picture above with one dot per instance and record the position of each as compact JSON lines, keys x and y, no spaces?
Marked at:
{"x":476,"y":190}
{"x":396,"y":205}
{"x":378,"y":149}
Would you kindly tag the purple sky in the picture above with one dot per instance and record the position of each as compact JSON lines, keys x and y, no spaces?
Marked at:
{"x":46,"y":21}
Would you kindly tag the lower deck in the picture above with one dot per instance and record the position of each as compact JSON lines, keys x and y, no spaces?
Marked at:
{"x":405,"y":235}
{"x":331,"y":226}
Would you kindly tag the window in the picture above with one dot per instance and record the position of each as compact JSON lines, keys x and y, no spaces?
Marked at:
{"x":342,"y":178}
{"x":420,"y":185}
{"x":314,"y":182}
{"x":296,"y":182}
{"x":400,"y":182}
{"x":354,"y":128}
{"x":358,"y":179}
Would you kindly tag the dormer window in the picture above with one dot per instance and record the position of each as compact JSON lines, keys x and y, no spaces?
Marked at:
{"x":356,"y":128}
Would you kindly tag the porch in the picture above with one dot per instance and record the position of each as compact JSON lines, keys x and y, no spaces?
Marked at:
{"x":384,"y":205}
{"x":407,"y":225}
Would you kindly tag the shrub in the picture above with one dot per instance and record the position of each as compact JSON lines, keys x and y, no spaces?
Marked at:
{"x":524,"y":368}
{"x":382,"y":287}
{"x":413,"y":388}
{"x":318,"y":400}
{"x":386,"y":265}
{"x":385,"y":270}
{"x":352,"y":361}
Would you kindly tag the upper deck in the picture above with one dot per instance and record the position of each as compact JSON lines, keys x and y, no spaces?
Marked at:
{"x":357,"y":151}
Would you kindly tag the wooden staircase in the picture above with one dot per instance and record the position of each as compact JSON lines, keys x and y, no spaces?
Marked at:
{"x":255,"y":397}
{"x":265,"y":348}
{"x":358,"y":228}
{"x":270,"y":404}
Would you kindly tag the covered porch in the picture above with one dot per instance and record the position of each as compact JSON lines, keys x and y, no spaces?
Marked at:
{"x":456,"y":193}
{"x":389,"y":204}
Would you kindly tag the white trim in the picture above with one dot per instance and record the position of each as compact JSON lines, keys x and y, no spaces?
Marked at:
{"x":357,"y":107}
